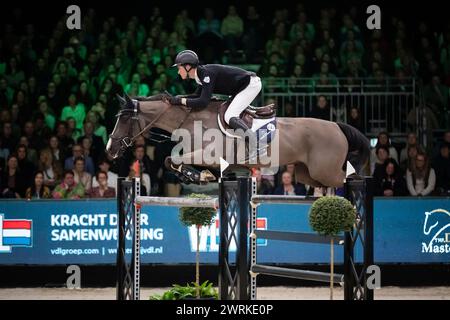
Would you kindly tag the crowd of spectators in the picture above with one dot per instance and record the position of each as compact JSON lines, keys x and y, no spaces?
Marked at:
{"x":57,"y":90}
{"x":415,"y":172}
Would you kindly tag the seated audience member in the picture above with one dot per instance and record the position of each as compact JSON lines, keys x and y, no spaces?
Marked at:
{"x":8,"y":140}
{"x":421,"y":178}
{"x":12,"y":179}
{"x":31,"y":153}
{"x":65,"y":140}
{"x":441,"y":166}
{"x":51,"y":169}
{"x":57,"y":152}
{"x":104,"y":166}
{"x":143,"y":158}
{"x":355,"y":119}
{"x":288,"y":188}
{"x":34,"y":141}
{"x":38,"y":190}
{"x":103,"y":190}
{"x":86,"y":144}
{"x":291,"y":169}
{"x":383,"y":140}
{"x":77,"y":151}
{"x":263,"y":186}
{"x":145,"y":179}
{"x":4,"y":153}
{"x":96,"y":142}
{"x":68,"y":189}
{"x":411,"y":141}
{"x":321,"y":110}
{"x":72,"y":129}
{"x":278,"y":179}
{"x":382,"y":154}
{"x":99,"y":130}
{"x":391,"y":183}
{"x":26,"y":167}
{"x":412,"y":152}
{"x":81,"y":176}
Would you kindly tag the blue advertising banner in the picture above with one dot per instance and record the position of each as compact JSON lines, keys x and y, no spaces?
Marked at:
{"x":85,"y":232}
{"x":61,"y":231}
{"x":416,"y":230}
{"x":407,"y":230}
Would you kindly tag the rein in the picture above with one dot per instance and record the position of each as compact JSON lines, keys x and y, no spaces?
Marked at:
{"x":167,"y":105}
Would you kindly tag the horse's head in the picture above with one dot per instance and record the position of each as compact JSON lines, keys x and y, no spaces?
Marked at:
{"x":137,"y":117}
{"x":127,"y":126}
{"x":429,"y":223}
{"x":434,"y":218}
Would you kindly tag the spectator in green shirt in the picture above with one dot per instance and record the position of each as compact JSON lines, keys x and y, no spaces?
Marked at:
{"x":183,"y":24}
{"x":232,"y":29}
{"x":49,"y":118}
{"x":6,"y":92}
{"x":301,"y":28}
{"x":75,"y":110}
{"x":136,"y":88}
{"x":152,"y":50}
{"x":69,"y":189}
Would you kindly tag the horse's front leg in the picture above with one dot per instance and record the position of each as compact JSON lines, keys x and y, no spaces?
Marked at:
{"x":188,"y":173}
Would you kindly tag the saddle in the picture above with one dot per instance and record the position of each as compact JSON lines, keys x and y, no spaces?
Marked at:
{"x":250,"y":113}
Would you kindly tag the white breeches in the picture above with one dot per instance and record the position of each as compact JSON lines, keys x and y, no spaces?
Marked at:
{"x":243,"y":99}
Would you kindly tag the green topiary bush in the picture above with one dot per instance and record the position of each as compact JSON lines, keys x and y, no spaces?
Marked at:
{"x":197,"y":216}
{"x":331,"y":215}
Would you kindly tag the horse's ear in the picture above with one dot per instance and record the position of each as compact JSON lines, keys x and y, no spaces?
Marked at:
{"x":129,"y":103}
{"x":122,"y":100}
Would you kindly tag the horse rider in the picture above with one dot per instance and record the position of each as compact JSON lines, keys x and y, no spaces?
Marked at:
{"x":241,"y":84}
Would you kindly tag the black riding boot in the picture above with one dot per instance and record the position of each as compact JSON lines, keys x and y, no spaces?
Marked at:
{"x":237,"y":123}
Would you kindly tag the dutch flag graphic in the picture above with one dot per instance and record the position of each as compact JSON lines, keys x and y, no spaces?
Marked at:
{"x":16,"y":232}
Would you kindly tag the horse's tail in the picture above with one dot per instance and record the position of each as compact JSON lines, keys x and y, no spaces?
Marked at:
{"x":358,"y":146}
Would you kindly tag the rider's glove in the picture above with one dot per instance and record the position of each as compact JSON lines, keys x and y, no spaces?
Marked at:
{"x":175,"y":100}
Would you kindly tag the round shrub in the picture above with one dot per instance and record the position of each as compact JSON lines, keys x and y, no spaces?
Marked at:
{"x":331,"y":215}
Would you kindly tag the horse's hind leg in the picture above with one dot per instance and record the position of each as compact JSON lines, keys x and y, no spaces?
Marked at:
{"x":302,"y":175}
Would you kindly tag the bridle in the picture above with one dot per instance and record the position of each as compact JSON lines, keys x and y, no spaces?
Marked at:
{"x":129,"y":139}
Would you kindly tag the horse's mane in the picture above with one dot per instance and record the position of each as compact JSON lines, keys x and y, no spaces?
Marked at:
{"x":166,"y":95}
{"x":157,"y":97}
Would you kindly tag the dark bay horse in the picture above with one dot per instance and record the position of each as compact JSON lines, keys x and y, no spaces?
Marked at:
{"x":319,"y":149}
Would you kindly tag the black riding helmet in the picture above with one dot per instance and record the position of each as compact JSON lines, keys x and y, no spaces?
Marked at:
{"x":186,"y":57}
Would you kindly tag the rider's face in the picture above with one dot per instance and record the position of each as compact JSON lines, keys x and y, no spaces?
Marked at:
{"x":182,"y":72}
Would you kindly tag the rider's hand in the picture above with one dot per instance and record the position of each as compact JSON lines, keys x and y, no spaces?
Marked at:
{"x":175,"y":100}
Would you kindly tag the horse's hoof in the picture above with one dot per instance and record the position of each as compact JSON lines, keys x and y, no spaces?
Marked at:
{"x":206,"y":176}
